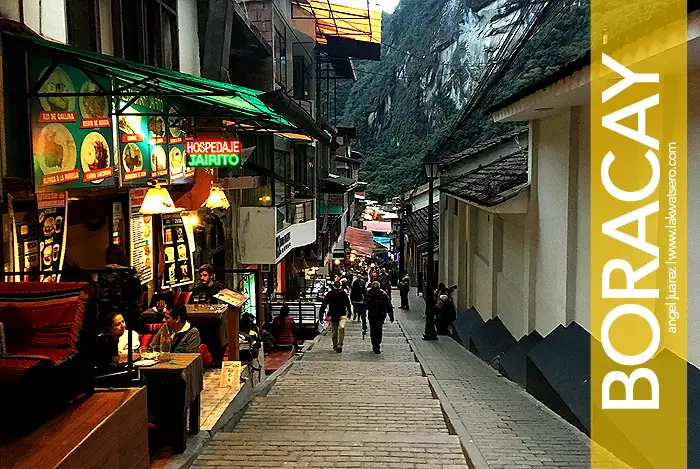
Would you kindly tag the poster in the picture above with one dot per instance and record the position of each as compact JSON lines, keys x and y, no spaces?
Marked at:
{"x":27,"y":243}
{"x":151,"y":142}
{"x":179,"y":267}
{"x":52,"y":209}
{"x":72,"y":141}
{"x":230,"y":374}
{"x":141,"y":249}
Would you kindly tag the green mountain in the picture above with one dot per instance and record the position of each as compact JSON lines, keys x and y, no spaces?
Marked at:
{"x":433,"y":56}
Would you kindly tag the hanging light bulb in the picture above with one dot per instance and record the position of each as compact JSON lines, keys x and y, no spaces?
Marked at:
{"x":158,"y":201}
{"x":217,"y":199}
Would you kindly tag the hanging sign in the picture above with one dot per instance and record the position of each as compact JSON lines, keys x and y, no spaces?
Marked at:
{"x":52,"y":209}
{"x":141,"y":252}
{"x":213,"y":153}
{"x":179,"y":266}
{"x":71,"y":135}
{"x":152,"y":142}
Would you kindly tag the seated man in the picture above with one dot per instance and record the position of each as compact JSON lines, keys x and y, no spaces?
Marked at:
{"x":208,"y":286}
{"x":184,"y":338}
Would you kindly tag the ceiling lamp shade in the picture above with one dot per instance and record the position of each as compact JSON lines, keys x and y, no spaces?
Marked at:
{"x":158,"y":201}
{"x":217,"y":199}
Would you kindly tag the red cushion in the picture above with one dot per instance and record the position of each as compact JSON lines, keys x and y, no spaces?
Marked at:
{"x":145,"y":339}
{"x":183,"y":297}
{"x":154,"y":326}
{"x":12,"y":369}
{"x":56,"y":355}
{"x":206,"y":356}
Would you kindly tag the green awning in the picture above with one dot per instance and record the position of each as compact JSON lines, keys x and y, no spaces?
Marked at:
{"x":192,"y":96}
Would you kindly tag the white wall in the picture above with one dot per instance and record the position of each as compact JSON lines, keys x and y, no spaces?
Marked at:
{"x":582,"y":299}
{"x":481,"y":276}
{"x":511,"y":307}
{"x":256,"y":235}
{"x":551,"y":142}
{"x":187,"y":36}
{"x":46,"y":17}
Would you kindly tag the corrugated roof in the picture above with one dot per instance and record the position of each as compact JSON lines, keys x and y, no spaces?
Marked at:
{"x":493,"y":183}
{"x":417,"y":224}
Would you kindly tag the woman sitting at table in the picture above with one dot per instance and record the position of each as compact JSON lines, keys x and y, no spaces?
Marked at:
{"x":114,"y":343}
{"x":284,"y":329}
{"x":183,"y":337}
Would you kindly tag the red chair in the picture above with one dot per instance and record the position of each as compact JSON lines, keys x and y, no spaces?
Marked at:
{"x":182,"y":298}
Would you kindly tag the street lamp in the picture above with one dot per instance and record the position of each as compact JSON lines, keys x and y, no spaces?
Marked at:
{"x":431,"y":170}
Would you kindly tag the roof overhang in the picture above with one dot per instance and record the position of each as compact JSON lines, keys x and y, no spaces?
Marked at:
{"x":571,"y":86}
{"x":232,"y":106}
{"x":282,"y":103}
{"x":514,"y":201}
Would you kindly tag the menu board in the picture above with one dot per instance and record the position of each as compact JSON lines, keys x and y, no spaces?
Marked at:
{"x":151,"y":142}
{"x":72,"y":141}
{"x":179,"y":267}
{"x":27,"y":243}
{"x":141,"y":252}
{"x":52,"y":208}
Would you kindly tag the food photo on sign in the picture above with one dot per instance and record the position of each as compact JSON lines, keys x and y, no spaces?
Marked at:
{"x":71,"y":135}
{"x":52,"y":212}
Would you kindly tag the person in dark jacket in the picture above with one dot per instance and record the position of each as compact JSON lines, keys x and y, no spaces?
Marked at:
{"x":338,"y":304}
{"x":184,"y":338}
{"x":357,"y":296}
{"x":208,"y":286}
{"x":378,"y":305}
{"x":404,"y":289}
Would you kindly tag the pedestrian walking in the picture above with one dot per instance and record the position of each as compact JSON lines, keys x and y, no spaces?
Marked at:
{"x":357,"y":296}
{"x":404,"y":289}
{"x":338,"y":303}
{"x":377,"y":305}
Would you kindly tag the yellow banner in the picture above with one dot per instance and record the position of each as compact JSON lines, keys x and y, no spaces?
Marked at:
{"x":638,"y":233}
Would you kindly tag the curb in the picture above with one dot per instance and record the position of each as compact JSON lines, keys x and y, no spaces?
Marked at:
{"x":473,"y":455}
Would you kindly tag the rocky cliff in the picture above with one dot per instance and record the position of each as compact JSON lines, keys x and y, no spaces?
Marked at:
{"x":433,"y":56}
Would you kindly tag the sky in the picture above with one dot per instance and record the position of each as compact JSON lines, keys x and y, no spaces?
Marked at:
{"x":388,"y":5}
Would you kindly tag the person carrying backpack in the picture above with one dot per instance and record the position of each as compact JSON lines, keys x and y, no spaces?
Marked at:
{"x":378,"y":305}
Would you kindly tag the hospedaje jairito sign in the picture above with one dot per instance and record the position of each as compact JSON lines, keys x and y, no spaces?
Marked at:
{"x":213,"y":153}
{"x":72,"y":136}
{"x":151,"y":142}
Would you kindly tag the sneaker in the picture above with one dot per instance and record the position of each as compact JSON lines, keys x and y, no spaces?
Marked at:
{"x":339,"y":349}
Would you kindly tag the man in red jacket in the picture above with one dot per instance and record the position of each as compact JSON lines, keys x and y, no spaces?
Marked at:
{"x":337,"y":302}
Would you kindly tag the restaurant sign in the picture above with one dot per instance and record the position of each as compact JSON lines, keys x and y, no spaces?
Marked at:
{"x":151,"y":142}
{"x":52,"y":210}
{"x":179,"y":267}
{"x":72,"y":139}
{"x":213,"y":153}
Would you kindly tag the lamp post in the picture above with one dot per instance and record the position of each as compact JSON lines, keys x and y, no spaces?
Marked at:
{"x":402,"y":215}
{"x":431,"y":170}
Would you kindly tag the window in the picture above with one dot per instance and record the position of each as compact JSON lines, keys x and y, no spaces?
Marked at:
{"x":83,"y":20}
{"x":148,"y":32}
{"x":280,"y":59}
{"x":301,"y":80}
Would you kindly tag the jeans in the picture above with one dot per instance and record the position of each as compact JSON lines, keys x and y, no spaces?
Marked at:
{"x":338,"y":331}
{"x":376,"y":324}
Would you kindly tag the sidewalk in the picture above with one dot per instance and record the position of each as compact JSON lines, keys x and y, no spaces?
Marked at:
{"x":501,"y":425}
{"x":342,"y":410}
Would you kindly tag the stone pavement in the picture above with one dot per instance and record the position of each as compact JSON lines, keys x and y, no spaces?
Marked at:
{"x":500,"y":424}
{"x":349,"y":410}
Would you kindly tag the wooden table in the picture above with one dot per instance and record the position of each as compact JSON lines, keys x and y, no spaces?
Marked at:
{"x":108,"y":430}
{"x":215,"y":326}
{"x":173,"y":387}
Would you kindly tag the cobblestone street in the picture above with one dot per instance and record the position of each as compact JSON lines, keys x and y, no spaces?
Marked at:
{"x":399,"y":409}
{"x":343,"y":410}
